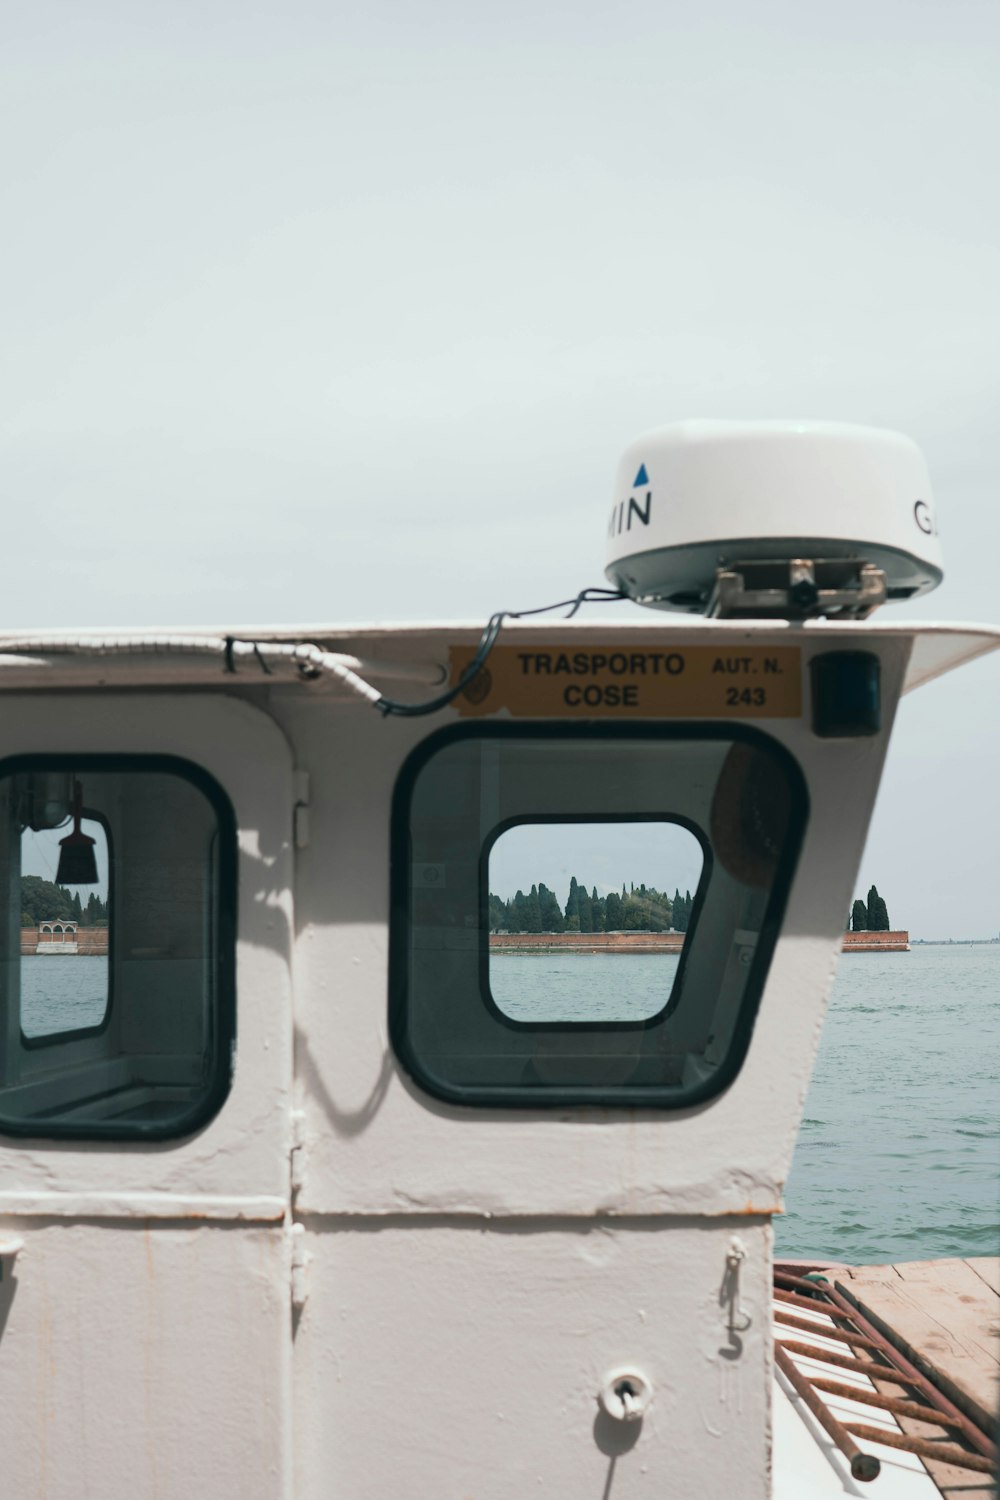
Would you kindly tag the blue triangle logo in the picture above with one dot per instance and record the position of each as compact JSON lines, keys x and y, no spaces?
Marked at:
{"x":641,"y":478}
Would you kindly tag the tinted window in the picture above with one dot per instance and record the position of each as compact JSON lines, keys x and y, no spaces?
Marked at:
{"x":63,"y":921}
{"x":561,"y":892}
{"x":117,"y":946}
{"x":663,"y":1038}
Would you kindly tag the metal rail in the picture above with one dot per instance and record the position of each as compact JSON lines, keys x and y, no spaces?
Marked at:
{"x":885,"y":1363}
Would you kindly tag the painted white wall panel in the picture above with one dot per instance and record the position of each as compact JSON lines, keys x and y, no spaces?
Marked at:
{"x":145,"y":1362}
{"x":464,"y":1360}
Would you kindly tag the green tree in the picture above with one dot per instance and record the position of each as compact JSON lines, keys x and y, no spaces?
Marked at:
{"x":859,"y":917}
{"x":878,"y":916}
{"x":97,"y":911}
{"x":42,"y":899}
{"x":552,"y":917}
{"x":585,"y":909}
{"x":532,"y":911}
{"x":496,"y":913}
{"x":679,"y":912}
{"x":573,"y":904}
{"x":613,"y":913}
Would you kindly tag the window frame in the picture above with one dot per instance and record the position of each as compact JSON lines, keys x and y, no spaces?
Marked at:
{"x":226,"y":837}
{"x":511,"y":1096}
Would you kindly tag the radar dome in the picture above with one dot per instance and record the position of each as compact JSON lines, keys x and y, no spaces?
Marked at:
{"x":698,"y":501}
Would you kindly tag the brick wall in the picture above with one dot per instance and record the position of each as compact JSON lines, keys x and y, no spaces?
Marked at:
{"x":589,"y":942}
{"x":90,"y":941}
{"x":877,"y":942}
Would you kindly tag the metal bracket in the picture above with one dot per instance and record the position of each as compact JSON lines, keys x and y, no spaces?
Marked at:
{"x":797,"y":588}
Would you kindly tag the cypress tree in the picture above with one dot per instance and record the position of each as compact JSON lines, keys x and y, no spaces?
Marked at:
{"x":859,"y":917}
{"x":878,"y":916}
{"x":573,"y":903}
{"x":532,"y":912}
{"x":552,"y":917}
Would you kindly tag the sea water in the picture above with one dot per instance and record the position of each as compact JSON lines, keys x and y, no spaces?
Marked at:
{"x":899,"y":1152}
{"x":62,"y":992}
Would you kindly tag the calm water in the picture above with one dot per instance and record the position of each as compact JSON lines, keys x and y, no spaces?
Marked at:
{"x":899,"y":1153}
{"x":62,"y":994}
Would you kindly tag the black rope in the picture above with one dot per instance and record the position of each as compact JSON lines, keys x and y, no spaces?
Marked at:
{"x":230,"y":663}
{"x":488,"y":639}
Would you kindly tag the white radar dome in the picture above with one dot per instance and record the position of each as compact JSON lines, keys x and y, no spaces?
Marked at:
{"x":695,"y":501}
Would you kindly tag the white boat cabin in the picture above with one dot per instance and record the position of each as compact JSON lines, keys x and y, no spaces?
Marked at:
{"x":297,"y":1197}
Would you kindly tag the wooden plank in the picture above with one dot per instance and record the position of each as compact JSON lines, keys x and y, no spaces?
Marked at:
{"x":945,"y":1318}
{"x":987,"y":1268}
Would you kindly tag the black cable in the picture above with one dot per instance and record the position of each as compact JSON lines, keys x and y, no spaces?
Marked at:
{"x":488,"y":639}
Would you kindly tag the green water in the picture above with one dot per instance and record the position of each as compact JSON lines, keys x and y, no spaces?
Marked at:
{"x":898,"y":1157}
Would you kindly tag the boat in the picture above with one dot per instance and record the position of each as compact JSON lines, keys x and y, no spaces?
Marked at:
{"x":300,"y":1210}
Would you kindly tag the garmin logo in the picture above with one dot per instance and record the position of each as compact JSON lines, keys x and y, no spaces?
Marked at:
{"x":632,"y":509}
{"x":924,"y":519}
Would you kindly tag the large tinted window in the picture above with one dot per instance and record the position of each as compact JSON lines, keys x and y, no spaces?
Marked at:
{"x":587,"y":914}
{"x":117,"y":946}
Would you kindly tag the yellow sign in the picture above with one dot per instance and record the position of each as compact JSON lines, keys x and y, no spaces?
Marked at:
{"x":634,"y":682}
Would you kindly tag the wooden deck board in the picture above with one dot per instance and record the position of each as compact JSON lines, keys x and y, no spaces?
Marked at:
{"x":945,"y":1316}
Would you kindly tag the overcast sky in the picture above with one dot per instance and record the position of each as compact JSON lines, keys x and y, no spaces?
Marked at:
{"x":330,"y":313}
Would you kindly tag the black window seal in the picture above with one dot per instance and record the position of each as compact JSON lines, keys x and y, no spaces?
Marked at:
{"x":223,"y":1021}
{"x":506,"y":1097}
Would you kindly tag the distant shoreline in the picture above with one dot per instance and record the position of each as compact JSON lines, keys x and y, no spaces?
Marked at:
{"x":955,"y":942}
{"x":538,"y":943}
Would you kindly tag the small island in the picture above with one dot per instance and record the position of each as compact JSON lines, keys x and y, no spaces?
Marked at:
{"x":869,"y":929}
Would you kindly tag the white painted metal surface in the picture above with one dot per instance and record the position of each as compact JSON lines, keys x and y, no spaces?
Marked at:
{"x":692,"y":495}
{"x":342,"y":1286}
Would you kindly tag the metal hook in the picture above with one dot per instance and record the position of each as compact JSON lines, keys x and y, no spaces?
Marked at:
{"x":739,"y":1319}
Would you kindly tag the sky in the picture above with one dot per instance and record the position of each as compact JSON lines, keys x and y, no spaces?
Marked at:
{"x":602,"y":856}
{"x":336,"y":314}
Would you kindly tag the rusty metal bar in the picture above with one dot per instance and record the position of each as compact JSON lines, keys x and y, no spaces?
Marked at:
{"x":845,"y":1362}
{"x":793,"y":1299}
{"x":783,"y":1278}
{"x":844,"y":1335}
{"x":969,"y":1430}
{"x":923,"y":1448}
{"x":864,"y":1466}
{"x":895,"y":1404}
